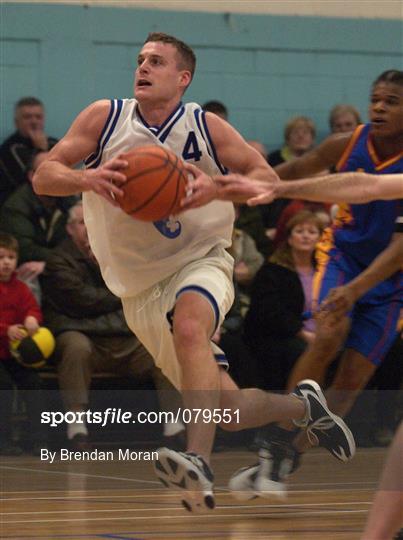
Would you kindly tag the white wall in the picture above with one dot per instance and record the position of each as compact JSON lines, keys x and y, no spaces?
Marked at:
{"x":383,"y":9}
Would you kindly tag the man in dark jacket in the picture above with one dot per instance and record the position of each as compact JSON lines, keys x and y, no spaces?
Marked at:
{"x":18,"y":149}
{"x":37,"y":222}
{"x":89,"y":325}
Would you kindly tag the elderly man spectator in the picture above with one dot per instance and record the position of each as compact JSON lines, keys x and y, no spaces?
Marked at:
{"x":17,"y":150}
{"x":90,"y":329}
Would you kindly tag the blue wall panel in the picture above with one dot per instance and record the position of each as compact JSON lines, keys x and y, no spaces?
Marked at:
{"x":265,"y":68}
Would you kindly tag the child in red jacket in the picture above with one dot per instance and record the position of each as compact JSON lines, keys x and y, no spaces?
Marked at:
{"x":19,"y":313}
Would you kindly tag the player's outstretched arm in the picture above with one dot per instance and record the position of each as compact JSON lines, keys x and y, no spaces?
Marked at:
{"x":244,"y":187}
{"x":352,"y":187}
{"x":236,"y":155}
{"x":55,"y":176}
{"x":341,"y":299}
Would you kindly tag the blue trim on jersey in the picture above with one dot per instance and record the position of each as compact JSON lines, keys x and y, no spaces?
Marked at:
{"x":156,"y":130}
{"x":197,"y":118}
{"x":119,"y":105}
{"x":93,"y":156}
{"x":207,"y":139}
{"x":209,"y":297}
{"x":222,"y":361}
{"x":223,"y":169}
{"x":167,"y":131}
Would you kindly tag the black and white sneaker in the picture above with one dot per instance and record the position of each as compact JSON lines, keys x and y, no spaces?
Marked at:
{"x":188,"y":473}
{"x":324,"y":428}
{"x":277,"y":460}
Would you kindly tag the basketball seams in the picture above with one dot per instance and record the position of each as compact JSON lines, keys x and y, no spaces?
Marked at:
{"x":154,"y":194}
{"x":144,"y":172}
{"x":165,"y":175}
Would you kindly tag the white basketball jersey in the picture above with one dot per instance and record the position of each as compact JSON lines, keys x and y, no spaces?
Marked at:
{"x":134,"y":255}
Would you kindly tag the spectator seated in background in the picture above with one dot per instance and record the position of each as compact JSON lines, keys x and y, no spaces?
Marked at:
{"x":217,"y":108}
{"x":19,"y":314}
{"x":38,"y":222}
{"x":17,"y":151}
{"x":281,"y":293}
{"x":90,"y":329}
{"x":247,"y":260}
{"x":321,"y":210}
{"x":344,"y":119}
{"x":299,"y":138}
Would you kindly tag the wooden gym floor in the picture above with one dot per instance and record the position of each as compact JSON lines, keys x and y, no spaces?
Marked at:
{"x":123,"y":501}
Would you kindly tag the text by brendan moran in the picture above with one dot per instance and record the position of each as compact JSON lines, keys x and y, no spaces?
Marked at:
{"x":123,"y":454}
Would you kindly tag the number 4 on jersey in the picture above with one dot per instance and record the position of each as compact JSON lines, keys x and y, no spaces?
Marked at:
{"x":191,"y":149}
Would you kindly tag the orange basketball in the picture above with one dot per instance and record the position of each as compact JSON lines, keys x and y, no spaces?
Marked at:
{"x":156,"y":183}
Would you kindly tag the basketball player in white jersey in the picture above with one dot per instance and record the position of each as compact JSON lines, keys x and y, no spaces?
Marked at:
{"x":174,"y":276}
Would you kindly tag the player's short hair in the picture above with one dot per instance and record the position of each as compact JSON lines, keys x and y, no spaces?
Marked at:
{"x":393,"y":76}
{"x":216,"y":107}
{"x":7,"y":241}
{"x":337,"y":110}
{"x":186,"y":55}
{"x":28,"y":101}
{"x":299,"y":121}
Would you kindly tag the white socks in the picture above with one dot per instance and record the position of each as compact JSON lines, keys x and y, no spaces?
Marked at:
{"x":172,"y":428}
{"x":76,"y":428}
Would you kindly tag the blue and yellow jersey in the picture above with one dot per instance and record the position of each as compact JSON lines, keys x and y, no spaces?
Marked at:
{"x":362,"y":231}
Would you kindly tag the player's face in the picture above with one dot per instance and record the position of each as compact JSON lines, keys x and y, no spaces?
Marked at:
{"x":386,"y":110}
{"x":344,"y":123}
{"x":30,"y":118}
{"x":158,"y":77}
{"x":8,"y":263}
{"x":303,"y":237}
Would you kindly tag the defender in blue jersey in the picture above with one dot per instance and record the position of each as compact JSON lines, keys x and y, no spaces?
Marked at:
{"x":360,"y":233}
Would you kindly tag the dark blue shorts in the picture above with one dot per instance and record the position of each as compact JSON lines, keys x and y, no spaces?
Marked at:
{"x":374,"y":317}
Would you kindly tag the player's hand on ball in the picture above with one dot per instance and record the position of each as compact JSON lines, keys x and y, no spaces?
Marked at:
{"x":106,"y":179}
{"x":201,"y":188}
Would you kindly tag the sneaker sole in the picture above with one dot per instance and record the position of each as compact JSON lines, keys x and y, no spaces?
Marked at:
{"x":195,"y":496}
{"x":337,"y":420}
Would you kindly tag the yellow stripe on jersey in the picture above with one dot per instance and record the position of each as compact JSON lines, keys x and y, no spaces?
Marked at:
{"x":345,"y":155}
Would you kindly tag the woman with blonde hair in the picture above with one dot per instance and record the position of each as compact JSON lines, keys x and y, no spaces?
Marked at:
{"x":281,"y":299}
